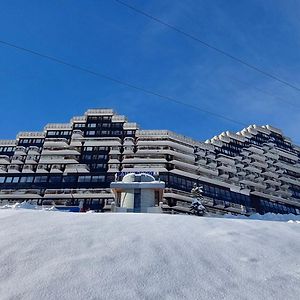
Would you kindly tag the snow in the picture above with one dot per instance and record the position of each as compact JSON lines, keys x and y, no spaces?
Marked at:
{"x":266,"y":217}
{"x":51,"y":255}
{"x":27,"y":205}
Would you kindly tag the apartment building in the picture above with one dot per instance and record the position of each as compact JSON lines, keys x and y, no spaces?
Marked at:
{"x":254,"y":170}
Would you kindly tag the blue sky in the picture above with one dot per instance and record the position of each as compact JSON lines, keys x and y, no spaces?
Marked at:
{"x":109,"y":38}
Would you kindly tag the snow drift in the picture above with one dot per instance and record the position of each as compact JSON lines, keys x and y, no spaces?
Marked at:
{"x":51,"y":255}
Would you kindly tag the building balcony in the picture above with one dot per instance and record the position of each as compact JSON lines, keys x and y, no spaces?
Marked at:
{"x":128,"y":141}
{"x":241,"y":173}
{"x":61,"y":152}
{"x":184,"y":165}
{"x":255,"y":150}
{"x":270,"y":174}
{"x":4,"y":160}
{"x":207,"y":171}
{"x":33,"y":150}
{"x":239,"y":164}
{"x":32,"y":159}
{"x":28,"y":169}
{"x":289,"y":180}
{"x":114,"y":161}
{"x":211,"y":164}
{"x":43,"y":169}
{"x":210,"y":155}
{"x":127,"y":151}
{"x":284,"y":185}
{"x":201,"y":161}
{"x":14,"y":169}
{"x":146,"y":160}
{"x":20,"y":150}
{"x":115,"y":151}
{"x":56,"y":144}
{"x":224,"y":175}
{"x":246,"y":160}
{"x":225,"y":160}
{"x":227,"y":168}
{"x":259,"y":164}
{"x":3,"y":169}
{"x":57,"y":160}
{"x":113,"y":168}
{"x":57,"y":169}
{"x":76,"y":168}
{"x":271,"y":155}
{"x":252,"y":168}
{"x":251,"y":176}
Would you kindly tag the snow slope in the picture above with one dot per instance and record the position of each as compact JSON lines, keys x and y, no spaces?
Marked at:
{"x":54,"y":255}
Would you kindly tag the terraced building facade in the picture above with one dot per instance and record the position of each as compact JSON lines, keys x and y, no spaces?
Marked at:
{"x":254,"y":170}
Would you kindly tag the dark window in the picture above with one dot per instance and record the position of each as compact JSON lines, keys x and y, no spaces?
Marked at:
{"x":84,"y":178}
{"x":26,"y":179}
{"x":55,"y":179}
{"x":70,"y":178}
{"x":41,"y":179}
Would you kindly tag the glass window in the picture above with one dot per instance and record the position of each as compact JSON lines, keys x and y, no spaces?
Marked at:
{"x":41,"y":179}
{"x":90,"y":132}
{"x":30,"y":179}
{"x":98,"y":178}
{"x":70,"y":178}
{"x":15,"y":179}
{"x":79,"y":125}
{"x":55,"y":179}
{"x":2,"y":179}
{"x":9,"y":179}
{"x":26,"y":179}
{"x":84,"y":178}
{"x":88,"y":148}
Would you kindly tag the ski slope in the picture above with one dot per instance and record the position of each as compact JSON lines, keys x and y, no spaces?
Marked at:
{"x":56,"y":255}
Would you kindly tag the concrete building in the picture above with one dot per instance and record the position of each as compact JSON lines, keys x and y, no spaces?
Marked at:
{"x":254,"y":170}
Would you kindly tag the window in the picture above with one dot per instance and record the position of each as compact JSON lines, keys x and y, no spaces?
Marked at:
{"x":41,"y":179}
{"x":90,"y":132}
{"x":26,"y":179}
{"x":92,"y":125}
{"x":84,"y":178}
{"x":98,"y":178}
{"x":88,"y":148}
{"x":15,"y":179}
{"x":87,"y":156}
{"x":70,"y":178}
{"x":79,"y":125}
{"x":2,"y":179}
{"x":9,"y":179}
{"x":55,"y":179}
{"x":117,"y":132}
{"x":50,"y":133}
{"x":98,"y":166}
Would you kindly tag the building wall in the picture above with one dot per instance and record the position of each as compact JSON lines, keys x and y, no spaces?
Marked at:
{"x":257,"y":167}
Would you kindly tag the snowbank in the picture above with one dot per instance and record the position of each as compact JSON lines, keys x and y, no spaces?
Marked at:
{"x":266,"y":217}
{"x":27,"y":205}
{"x":49,"y":255}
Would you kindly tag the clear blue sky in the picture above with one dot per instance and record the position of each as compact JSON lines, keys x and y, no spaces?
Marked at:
{"x":109,"y":38}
